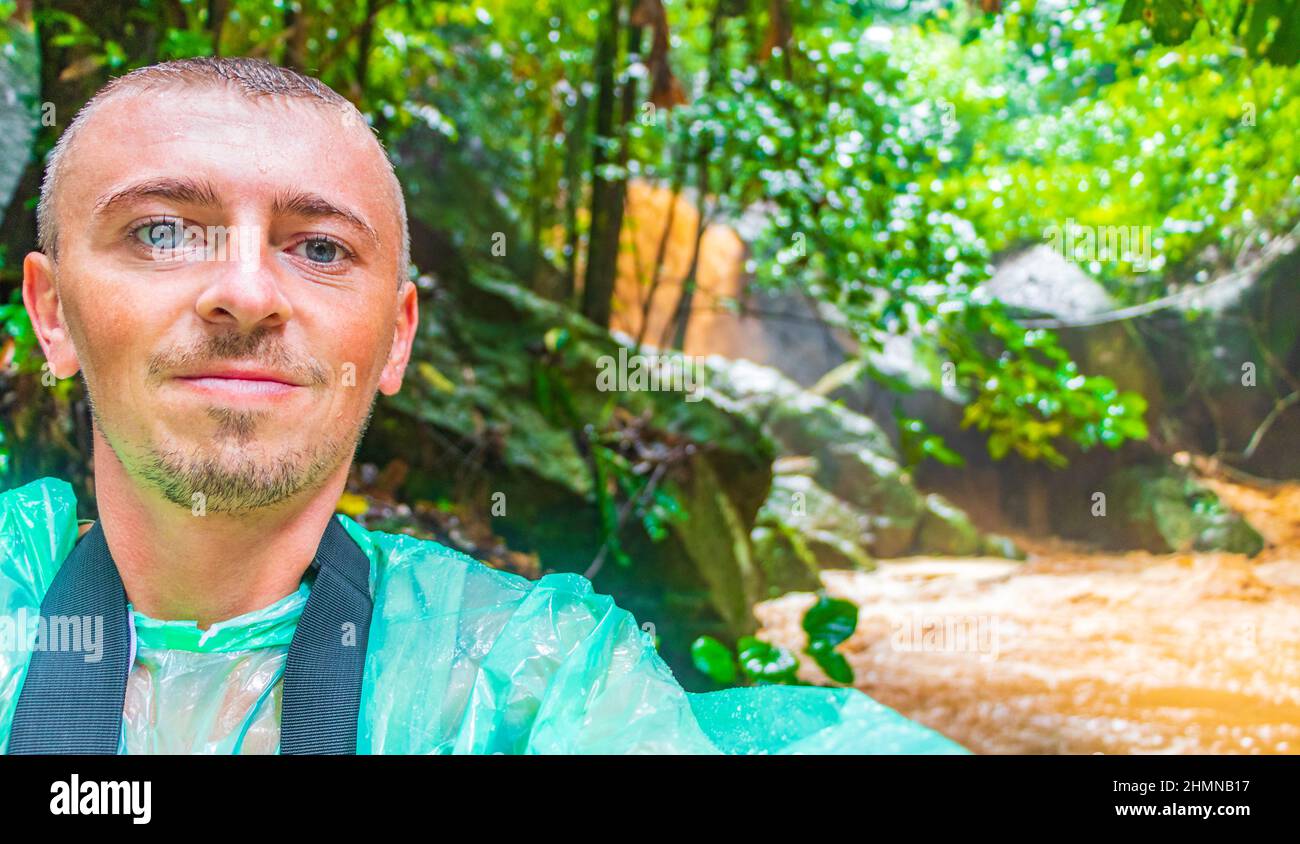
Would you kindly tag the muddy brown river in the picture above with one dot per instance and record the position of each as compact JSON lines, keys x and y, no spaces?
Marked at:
{"x":1079,"y":652}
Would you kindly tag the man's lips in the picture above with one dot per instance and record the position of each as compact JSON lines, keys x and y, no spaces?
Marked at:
{"x":250,"y":382}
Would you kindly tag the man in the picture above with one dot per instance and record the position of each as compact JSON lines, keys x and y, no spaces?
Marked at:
{"x":224,"y":258}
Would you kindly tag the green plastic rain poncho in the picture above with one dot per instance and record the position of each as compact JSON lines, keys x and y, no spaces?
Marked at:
{"x":462,"y":658}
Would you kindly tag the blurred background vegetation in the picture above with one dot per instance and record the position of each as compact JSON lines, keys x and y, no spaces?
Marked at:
{"x":896,"y":363}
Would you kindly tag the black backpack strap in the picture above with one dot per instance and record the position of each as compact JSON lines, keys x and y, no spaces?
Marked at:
{"x":327,"y":657}
{"x":71,"y":706}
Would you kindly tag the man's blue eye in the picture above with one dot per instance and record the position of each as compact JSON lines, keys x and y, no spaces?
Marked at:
{"x":165,"y":235}
{"x":320,"y":251}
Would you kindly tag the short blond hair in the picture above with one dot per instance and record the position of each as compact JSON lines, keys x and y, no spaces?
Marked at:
{"x":251,"y":77}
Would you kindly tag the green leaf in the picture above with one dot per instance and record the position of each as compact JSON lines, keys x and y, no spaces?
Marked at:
{"x":556,"y":339}
{"x":831,"y":661}
{"x":830,"y":620}
{"x":766,"y":663}
{"x":713,"y":659}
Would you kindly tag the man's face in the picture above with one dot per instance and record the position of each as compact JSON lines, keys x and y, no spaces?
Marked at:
{"x":227,"y":274}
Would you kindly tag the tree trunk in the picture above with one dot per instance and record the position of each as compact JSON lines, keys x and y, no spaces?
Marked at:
{"x":364,"y":41}
{"x":295,"y":49}
{"x":573,"y":197}
{"x":661,"y":252}
{"x":216,"y":22}
{"x":682,"y":313}
{"x":675,"y":330}
{"x":607,"y":195}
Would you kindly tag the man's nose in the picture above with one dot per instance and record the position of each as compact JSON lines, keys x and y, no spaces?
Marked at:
{"x":244,"y":287}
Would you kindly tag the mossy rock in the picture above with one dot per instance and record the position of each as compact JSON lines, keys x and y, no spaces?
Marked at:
{"x":855,"y":461}
{"x":1165,"y":509}
{"x":822,"y":531}
{"x":946,"y":530}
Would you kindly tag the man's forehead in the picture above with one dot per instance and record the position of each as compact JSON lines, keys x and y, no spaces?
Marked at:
{"x":229,"y":138}
{"x":177,"y":111}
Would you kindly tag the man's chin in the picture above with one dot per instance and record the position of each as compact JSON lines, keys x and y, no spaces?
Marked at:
{"x":234,"y":468}
{"x":206,"y":483}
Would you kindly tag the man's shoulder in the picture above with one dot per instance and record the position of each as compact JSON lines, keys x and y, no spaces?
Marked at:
{"x":38,"y":527}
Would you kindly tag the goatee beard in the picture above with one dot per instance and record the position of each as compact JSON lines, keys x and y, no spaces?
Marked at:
{"x":238,"y":484}
{"x":232,"y":481}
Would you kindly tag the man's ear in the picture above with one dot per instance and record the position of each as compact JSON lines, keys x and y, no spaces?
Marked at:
{"x":46,"y":312}
{"x":408,"y":317}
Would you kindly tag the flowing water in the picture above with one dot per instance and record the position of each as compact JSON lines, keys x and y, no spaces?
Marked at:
{"x":1083,"y":652}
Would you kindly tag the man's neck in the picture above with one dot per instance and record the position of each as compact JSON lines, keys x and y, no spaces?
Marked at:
{"x":177,"y":565}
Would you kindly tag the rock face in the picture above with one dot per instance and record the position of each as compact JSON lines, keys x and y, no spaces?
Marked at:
{"x":1189,"y":370}
{"x":839,"y":477}
{"x":1212,"y":363}
{"x":945,"y":529}
{"x":802,"y":529}
{"x":1167,"y":510}
{"x":1138,"y":355}
{"x":780,"y":329}
{"x":1229,"y":359}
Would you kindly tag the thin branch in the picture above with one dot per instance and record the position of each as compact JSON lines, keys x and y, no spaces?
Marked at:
{"x":623,"y":514}
{"x":1279,"y":407}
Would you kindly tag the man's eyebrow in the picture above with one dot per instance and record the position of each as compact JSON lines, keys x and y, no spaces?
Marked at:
{"x":188,"y":191}
{"x":316,"y":207}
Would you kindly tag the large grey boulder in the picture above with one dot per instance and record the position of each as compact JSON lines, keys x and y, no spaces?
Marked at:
{"x":851,"y":465}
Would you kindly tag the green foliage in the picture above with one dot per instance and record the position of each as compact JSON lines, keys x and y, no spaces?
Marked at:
{"x":762,"y":662}
{"x":17,"y":327}
{"x":1070,"y":117}
{"x":714,"y":660}
{"x":655,"y":507}
{"x":620,"y":486}
{"x":828,"y":622}
{"x":1032,"y":394}
{"x":17,"y":353}
{"x":900,"y":159}
{"x":606,"y":465}
{"x":1266,"y":28}
{"x":19,"y":87}
{"x":895,"y":152}
{"x":855,"y":159}
{"x":916,"y":443}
